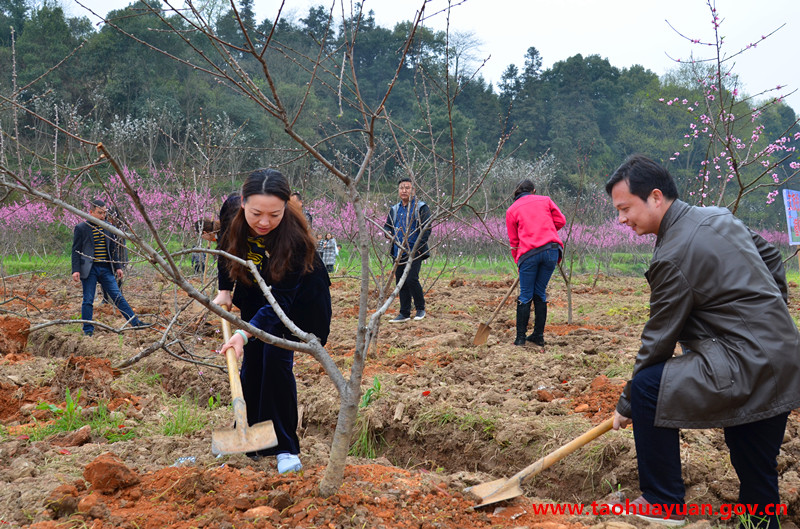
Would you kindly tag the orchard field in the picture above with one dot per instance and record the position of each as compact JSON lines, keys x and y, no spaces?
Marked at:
{"x":439,"y":414}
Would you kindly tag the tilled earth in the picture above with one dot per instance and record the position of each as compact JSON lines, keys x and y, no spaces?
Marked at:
{"x":444,"y":415}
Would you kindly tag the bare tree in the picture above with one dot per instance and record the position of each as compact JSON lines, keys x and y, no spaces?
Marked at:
{"x":740,"y":157}
{"x":252,"y":67}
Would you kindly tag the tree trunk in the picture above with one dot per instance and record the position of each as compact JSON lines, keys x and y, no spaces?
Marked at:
{"x":334,"y":472}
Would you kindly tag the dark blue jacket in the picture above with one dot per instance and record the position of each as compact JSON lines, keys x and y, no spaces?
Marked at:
{"x":404,"y":234}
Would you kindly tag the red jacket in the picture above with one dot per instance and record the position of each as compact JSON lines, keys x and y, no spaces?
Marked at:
{"x":533,"y":221}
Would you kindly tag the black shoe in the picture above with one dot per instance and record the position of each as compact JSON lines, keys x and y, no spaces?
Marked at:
{"x":519,"y":341}
{"x":400,"y":318}
{"x":88,"y":334}
{"x":537,"y":341}
{"x":420,"y":315}
{"x":139,"y":324}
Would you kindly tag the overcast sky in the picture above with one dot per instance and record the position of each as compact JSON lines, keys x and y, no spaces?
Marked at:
{"x":626,"y":32}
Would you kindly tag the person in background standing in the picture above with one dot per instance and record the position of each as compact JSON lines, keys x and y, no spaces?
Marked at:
{"x":330,"y":250}
{"x":208,"y":230}
{"x":120,"y":253}
{"x":533,"y":222}
{"x":408,"y":221}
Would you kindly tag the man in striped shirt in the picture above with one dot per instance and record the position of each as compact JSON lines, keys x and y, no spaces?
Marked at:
{"x":95,"y":260}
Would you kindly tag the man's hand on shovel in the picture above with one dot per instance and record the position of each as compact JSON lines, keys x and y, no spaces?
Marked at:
{"x":620,"y":421}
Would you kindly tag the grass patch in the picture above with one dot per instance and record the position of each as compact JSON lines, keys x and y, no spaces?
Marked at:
{"x":184,"y":418}
{"x":136,"y":380}
{"x":635,"y":315}
{"x":71,"y":417}
{"x":368,"y":441}
{"x":466,"y":422}
{"x":53,"y":264}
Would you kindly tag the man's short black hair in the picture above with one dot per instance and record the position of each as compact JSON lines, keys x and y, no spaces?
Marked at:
{"x":97,"y":203}
{"x":643,"y":175}
{"x":405,"y":179}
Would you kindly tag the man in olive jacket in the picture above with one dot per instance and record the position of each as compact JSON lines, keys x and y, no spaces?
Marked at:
{"x":719,"y":290}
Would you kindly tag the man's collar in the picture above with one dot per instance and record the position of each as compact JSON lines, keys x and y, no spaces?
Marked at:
{"x":673,"y":213}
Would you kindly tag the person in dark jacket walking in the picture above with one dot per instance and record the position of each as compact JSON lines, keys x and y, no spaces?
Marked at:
{"x":533,"y":222}
{"x":260,"y":226}
{"x":120,"y":250}
{"x":719,"y":290}
{"x":408,"y":221}
{"x":95,"y":259}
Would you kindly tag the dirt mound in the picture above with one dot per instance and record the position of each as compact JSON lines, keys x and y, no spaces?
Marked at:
{"x":373,"y":495}
{"x":13,"y":334}
{"x":55,"y":342}
{"x":93,"y":378}
{"x":14,"y":399}
{"x":600,"y":401}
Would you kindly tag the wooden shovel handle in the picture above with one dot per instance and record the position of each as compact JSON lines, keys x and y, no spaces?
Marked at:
{"x":560,"y":453}
{"x":500,"y":306}
{"x":233,"y":364}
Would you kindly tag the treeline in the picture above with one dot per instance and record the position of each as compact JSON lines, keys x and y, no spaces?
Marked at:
{"x":151,"y":110}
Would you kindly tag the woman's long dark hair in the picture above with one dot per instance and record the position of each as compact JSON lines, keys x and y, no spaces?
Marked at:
{"x":290,"y":245}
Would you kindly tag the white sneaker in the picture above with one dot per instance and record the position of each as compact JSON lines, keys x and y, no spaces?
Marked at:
{"x":420,"y":315}
{"x":288,"y":463}
{"x":399,"y":319}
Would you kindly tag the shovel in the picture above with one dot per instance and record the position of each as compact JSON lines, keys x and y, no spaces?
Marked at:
{"x":242,"y":438}
{"x":483,"y":328}
{"x":504,"y":489}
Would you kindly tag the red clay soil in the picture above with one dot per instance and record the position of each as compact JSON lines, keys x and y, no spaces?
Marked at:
{"x":373,"y":495}
{"x":12,"y":398}
{"x":600,"y":402}
{"x":92,"y":375}
{"x":13,"y":334}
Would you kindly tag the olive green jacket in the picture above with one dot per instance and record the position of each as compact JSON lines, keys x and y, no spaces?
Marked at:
{"x":719,"y":290}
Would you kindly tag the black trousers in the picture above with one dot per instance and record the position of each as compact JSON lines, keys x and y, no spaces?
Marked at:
{"x":412,"y":288}
{"x":753,"y":448}
{"x":270,"y":391}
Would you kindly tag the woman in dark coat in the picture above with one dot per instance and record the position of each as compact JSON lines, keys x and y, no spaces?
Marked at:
{"x":259,"y":225}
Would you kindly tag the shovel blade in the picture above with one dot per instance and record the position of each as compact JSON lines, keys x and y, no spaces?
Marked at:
{"x":495,"y":491}
{"x":482,"y":335}
{"x":243,"y":438}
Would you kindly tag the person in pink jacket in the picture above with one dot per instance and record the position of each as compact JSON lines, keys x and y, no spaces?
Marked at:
{"x":533,"y":222}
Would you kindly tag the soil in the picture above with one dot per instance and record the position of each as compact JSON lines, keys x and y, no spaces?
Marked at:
{"x":445,"y":415}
